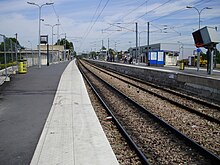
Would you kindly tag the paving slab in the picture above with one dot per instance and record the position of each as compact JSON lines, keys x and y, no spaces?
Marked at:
{"x":72,"y":134}
{"x":25,"y":102}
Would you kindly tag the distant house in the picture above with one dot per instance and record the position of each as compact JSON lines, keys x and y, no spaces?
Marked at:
{"x":171,"y":52}
{"x":103,"y":54}
{"x":58,"y":52}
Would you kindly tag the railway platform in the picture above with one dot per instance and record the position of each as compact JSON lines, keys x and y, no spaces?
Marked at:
{"x":192,"y":70}
{"x":72,"y":133}
{"x":198,"y":83}
{"x":46,"y":117}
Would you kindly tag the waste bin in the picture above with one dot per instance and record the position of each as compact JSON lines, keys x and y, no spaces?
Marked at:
{"x":22,"y":66}
{"x":182,"y":66}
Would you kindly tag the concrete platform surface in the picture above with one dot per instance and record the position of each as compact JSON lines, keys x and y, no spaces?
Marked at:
{"x":25,"y":102}
{"x":187,"y":70}
{"x":72,"y":134}
{"x":198,"y":83}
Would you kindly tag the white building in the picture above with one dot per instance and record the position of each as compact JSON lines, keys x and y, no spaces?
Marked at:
{"x":172,"y":52}
{"x":59,"y":53}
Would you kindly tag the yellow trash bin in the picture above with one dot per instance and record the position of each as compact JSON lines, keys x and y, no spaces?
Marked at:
{"x":22,"y":66}
{"x":182,"y":66}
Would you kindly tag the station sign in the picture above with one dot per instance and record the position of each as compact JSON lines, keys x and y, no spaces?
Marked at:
{"x":205,"y":36}
{"x":156,"y":58}
{"x":44,"y":39}
{"x":198,"y":50}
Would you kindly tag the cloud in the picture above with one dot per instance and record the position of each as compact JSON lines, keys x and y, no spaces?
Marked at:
{"x":17,"y":23}
{"x":75,"y":18}
{"x":12,"y":6}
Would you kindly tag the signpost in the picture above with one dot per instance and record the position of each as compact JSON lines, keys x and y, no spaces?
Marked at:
{"x":44,"y":40}
{"x":198,"y":58}
{"x":206,"y":37}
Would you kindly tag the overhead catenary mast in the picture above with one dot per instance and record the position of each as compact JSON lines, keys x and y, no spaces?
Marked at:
{"x":58,"y":35}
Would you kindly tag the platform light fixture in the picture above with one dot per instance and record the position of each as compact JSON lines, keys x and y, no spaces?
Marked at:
{"x":52,"y":26}
{"x":39,"y":6}
{"x":199,"y":12}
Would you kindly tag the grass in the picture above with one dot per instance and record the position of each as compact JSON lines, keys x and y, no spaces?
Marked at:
{"x":2,"y":66}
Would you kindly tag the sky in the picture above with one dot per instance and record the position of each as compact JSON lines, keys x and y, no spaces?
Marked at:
{"x":89,"y":24}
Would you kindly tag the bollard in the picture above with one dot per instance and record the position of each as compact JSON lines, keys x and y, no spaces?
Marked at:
{"x":22,"y":66}
{"x":182,"y":66}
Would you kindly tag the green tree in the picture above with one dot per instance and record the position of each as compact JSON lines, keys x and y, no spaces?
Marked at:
{"x":103,"y":48}
{"x":92,"y":54}
{"x":111,"y":52}
{"x":63,"y":41}
{"x":8,"y":44}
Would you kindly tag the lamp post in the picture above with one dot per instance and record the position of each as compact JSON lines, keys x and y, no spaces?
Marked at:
{"x":140,"y":41}
{"x":136,"y":52}
{"x":16,"y":48}
{"x":199,"y":11}
{"x":136,"y":32}
{"x":181,"y":47}
{"x":52,"y":26}
{"x":32,"y":53}
{"x":39,"y":6}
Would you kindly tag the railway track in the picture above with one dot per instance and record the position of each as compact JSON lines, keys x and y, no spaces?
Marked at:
{"x":159,"y":141}
{"x":124,"y":152}
{"x":207,"y":110}
{"x":200,"y":128}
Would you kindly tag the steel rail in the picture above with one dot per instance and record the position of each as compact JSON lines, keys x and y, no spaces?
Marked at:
{"x":215,"y":159}
{"x":208,"y":104}
{"x":141,"y":155}
{"x":189,"y":109}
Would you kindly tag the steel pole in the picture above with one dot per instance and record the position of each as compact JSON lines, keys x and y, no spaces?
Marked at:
{"x":199,"y":18}
{"x":11,"y":50}
{"x":65,"y":48}
{"x":148,"y":40}
{"x":211,"y":62}
{"x":139,"y":44}
{"x":6,"y":74}
{"x":52,"y":44}
{"x":16,"y":49}
{"x":39,"y":54}
{"x":108,"y":48}
{"x":136,"y":53}
{"x":32,"y":55}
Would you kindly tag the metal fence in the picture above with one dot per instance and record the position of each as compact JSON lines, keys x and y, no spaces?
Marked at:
{"x":10,"y":53}
{"x":8,"y":57}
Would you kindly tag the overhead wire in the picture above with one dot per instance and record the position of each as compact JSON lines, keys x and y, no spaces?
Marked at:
{"x":198,"y":3}
{"x":128,"y":13}
{"x":94,"y":23}
{"x":150,"y":10}
{"x":134,"y":9}
{"x":132,"y":12}
{"x":55,"y":11}
{"x":92,"y":18}
{"x":178,"y":11}
{"x":153,"y":9}
{"x":58,"y":19}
